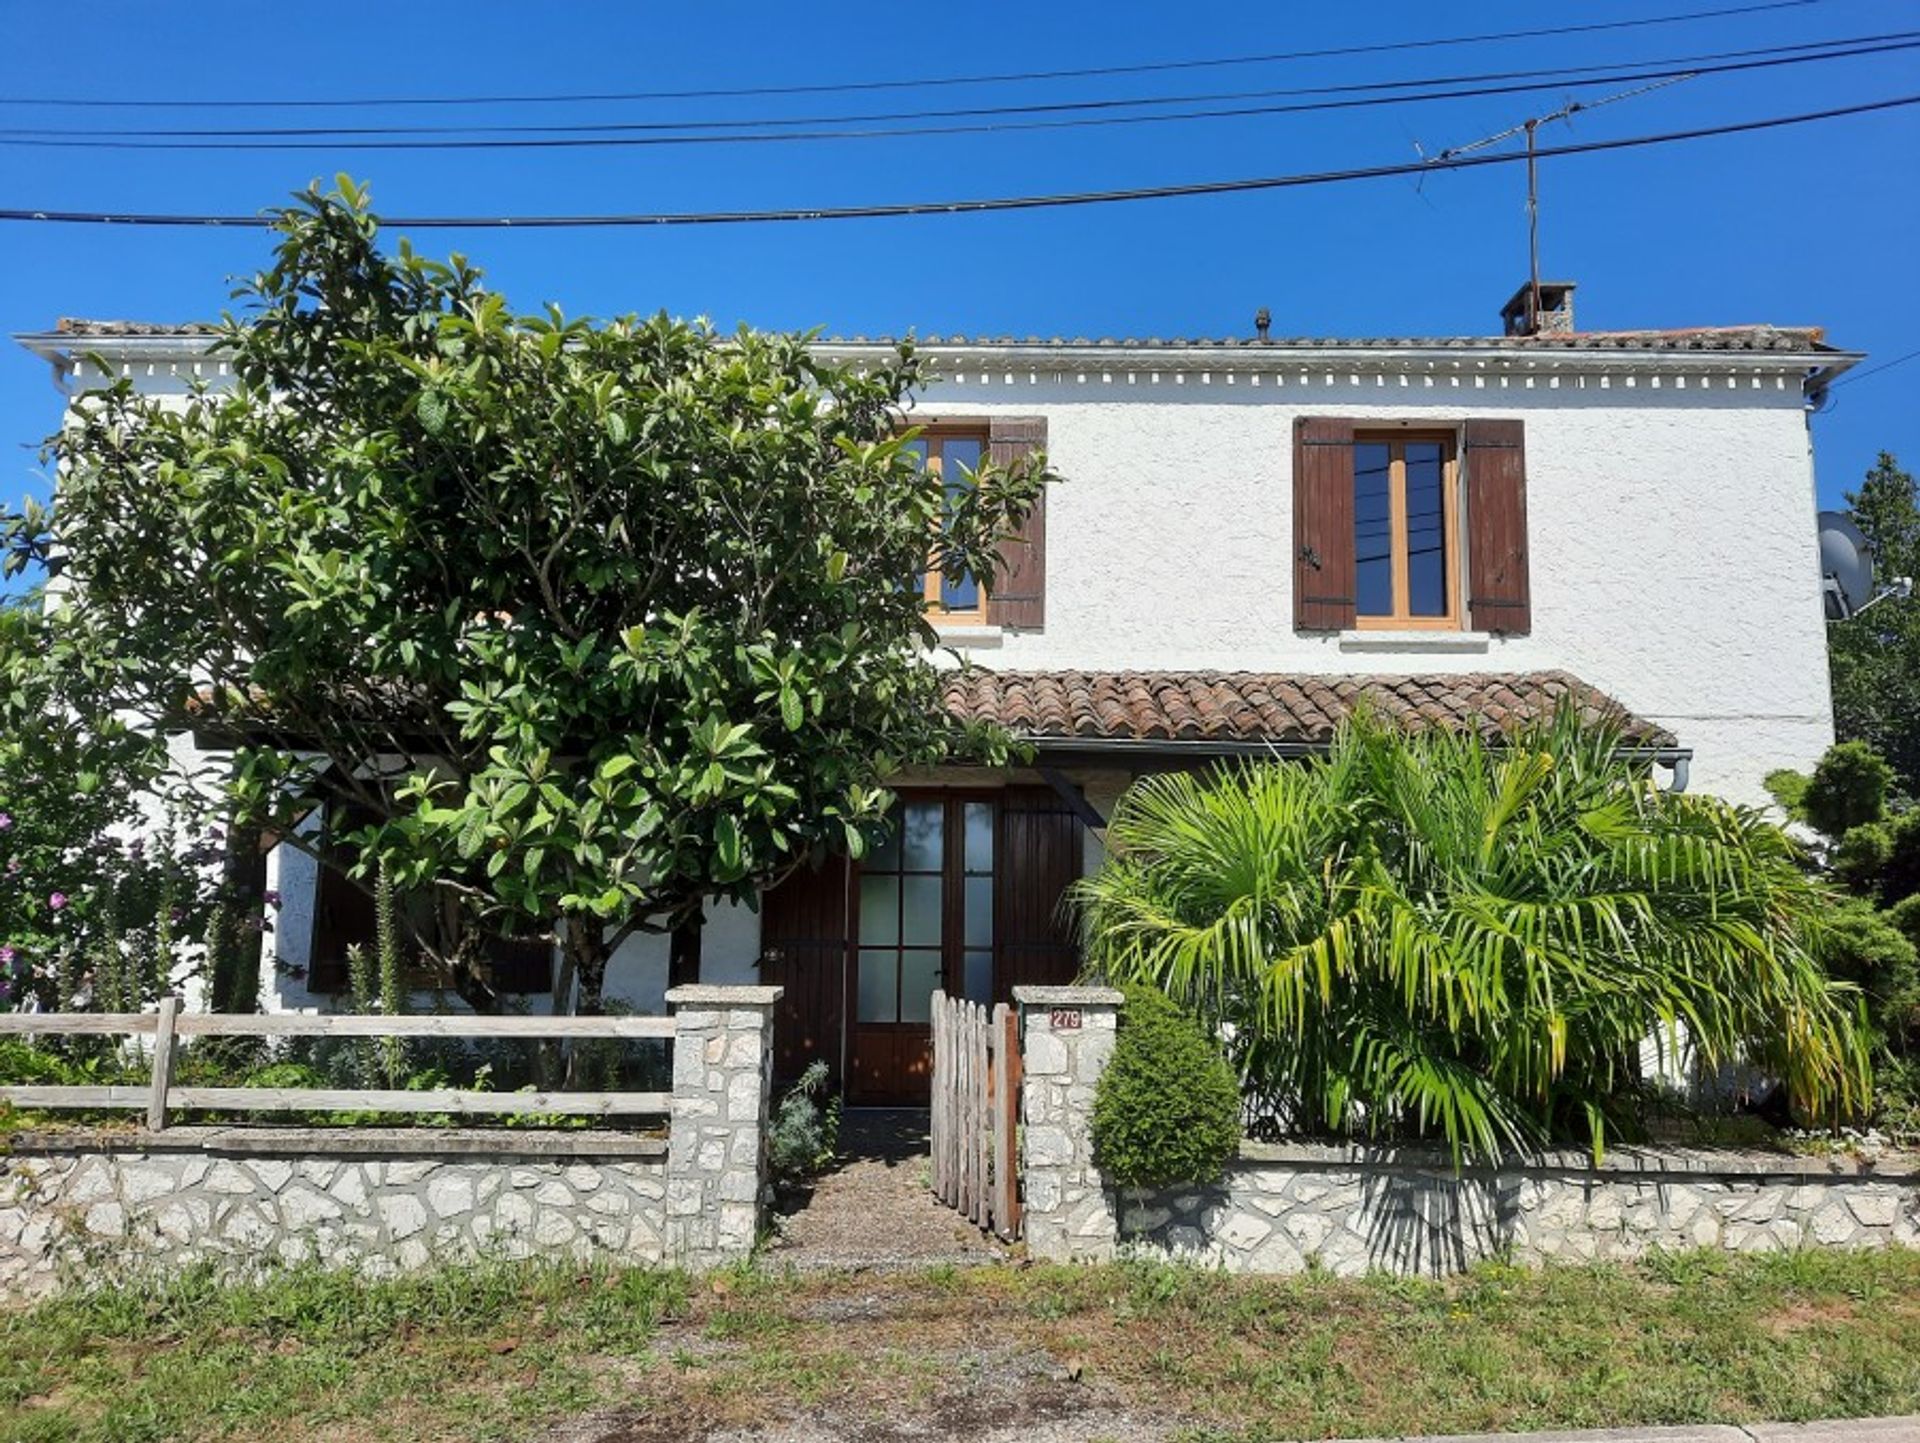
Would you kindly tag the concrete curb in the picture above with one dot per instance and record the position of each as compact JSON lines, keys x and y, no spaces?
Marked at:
{"x":1842,"y":1430}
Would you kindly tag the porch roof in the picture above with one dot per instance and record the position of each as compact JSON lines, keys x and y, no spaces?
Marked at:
{"x":1252,"y":710}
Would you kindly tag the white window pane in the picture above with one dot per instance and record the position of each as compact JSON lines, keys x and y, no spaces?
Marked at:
{"x":979,"y":916}
{"x":879,"y":999}
{"x":921,"y":911}
{"x":979,"y":978}
{"x":919,"y":980}
{"x":921,"y":829}
{"x":979,"y":822}
{"x":879,"y":911}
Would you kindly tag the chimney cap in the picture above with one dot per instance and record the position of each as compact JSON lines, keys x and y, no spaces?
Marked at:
{"x":1262,"y":319}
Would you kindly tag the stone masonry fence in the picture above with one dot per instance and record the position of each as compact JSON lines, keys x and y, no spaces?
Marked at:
{"x":395,"y":1199}
{"x":1358,"y":1208}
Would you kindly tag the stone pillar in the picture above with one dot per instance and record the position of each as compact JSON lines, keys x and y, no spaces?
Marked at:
{"x":717,"y":1148}
{"x":1067,"y":1036}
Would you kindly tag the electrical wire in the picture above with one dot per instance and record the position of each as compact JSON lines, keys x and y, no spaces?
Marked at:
{"x":919,"y":83}
{"x":991,"y":203}
{"x":1839,"y":48}
{"x":574,"y":142}
{"x":1848,"y":380}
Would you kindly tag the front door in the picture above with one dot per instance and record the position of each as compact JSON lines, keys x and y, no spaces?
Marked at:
{"x":924,"y":922}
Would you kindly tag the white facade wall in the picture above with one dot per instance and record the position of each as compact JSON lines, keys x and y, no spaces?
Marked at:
{"x":1671,"y":539}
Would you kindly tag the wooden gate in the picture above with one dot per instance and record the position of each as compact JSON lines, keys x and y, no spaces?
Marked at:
{"x":976,"y":1112}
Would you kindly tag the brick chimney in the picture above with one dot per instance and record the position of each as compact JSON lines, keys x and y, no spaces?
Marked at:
{"x":1556,"y":311}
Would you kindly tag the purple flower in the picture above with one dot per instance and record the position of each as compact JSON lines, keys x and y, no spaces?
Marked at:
{"x":57,"y":901}
{"x":271,"y":897}
{"x":6,"y":820}
{"x":7,"y":955}
{"x":13,"y":865}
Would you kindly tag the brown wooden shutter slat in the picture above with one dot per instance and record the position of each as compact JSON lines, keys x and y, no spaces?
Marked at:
{"x":1323,"y":562}
{"x":521,"y":965}
{"x":342,"y":918}
{"x":804,"y":941}
{"x":1498,"y":596}
{"x":1038,"y":856}
{"x":1018,"y":597}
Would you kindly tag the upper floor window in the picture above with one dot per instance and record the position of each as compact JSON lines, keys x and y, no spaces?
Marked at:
{"x":1406,"y":531}
{"x":1412,"y":527}
{"x":953,"y":455}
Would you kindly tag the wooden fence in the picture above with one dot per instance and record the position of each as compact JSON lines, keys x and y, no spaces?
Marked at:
{"x":976,"y":1112}
{"x":168,"y":1025}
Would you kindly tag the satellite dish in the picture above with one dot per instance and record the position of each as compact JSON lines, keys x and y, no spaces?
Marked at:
{"x":1846,"y":566}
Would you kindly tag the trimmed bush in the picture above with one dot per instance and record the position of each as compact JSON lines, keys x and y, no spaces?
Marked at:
{"x":1167,"y":1110}
{"x":1848,"y":789}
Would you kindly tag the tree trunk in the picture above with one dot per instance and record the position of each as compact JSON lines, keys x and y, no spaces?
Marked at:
{"x":584,"y":956}
{"x":233,"y":980}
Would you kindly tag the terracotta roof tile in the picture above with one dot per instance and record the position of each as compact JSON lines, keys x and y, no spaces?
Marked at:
{"x":1760,"y":338}
{"x":1242,"y":706}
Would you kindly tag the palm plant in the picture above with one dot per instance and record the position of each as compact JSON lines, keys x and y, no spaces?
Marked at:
{"x":1470,"y":936}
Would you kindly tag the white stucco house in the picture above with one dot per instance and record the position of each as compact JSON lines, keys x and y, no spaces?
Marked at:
{"x":1252,"y":532}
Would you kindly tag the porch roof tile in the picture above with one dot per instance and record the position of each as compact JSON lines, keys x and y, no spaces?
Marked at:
{"x":1247,"y":706}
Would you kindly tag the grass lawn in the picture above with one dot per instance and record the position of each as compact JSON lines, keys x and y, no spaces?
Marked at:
{"x":501,"y":1351}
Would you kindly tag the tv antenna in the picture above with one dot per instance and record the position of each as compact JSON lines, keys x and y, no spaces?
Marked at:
{"x":1530,"y":127}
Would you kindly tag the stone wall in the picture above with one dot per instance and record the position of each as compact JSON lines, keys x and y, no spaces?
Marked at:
{"x":382,"y":1201}
{"x":1067,"y":1036}
{"x":1353,"y":1210}
{"x":393,"y":1199}
{"x":1357,"y":1209}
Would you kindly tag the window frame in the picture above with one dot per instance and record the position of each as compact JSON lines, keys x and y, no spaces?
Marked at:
{"x":1396,"y":440}
{"x":934,"y":435}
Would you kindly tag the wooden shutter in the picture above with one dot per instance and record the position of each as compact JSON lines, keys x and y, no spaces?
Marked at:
{"x":521,"y":964}
{"x":342,"y":918}
{"x":803,"y":948}
{"x":1498,"y":599}
{"x":1038,"y":856}
{"x":1323,"y":563}
{"x":1018,"y":597}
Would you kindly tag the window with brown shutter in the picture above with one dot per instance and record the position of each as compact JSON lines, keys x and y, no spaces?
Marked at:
{"x":1379,"y":527}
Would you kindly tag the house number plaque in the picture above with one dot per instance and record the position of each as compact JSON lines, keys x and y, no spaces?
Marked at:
{"x":1064,"y":1019}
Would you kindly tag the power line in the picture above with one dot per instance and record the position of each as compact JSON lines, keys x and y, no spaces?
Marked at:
{"x":1837,"y":48}
{"x":80,"y":141}
{"x":1874,"y":370}
{"x":920,"y":83}
{"x":985,"y":204}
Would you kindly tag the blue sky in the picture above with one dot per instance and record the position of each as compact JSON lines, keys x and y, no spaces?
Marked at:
{"x":1811,"y":226}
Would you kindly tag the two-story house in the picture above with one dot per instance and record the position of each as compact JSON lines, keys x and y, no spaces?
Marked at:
{"x":1252,"y":534}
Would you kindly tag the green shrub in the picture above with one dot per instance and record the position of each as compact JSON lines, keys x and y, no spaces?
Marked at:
{"x":1788,"y":789}
{"x":1167,"y":1109}
{"x":1881,"y":859}
{"x":806,"y":1129}
{"x":1905,"y":914}
{"x":1848,"y":789}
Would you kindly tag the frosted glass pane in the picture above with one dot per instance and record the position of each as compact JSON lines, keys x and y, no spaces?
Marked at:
{"x":921,"y":836}
{"x":879,"y":999}
{"x":979,"y":820}
{"x":979,"y":916}
{"x":919,"y":979}
{"x":879,"y":911}
{"x":921,"y":914}
{"x":979,"y":979}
